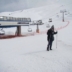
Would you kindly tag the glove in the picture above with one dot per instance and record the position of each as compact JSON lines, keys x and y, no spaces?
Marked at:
{"x":56,"y":31}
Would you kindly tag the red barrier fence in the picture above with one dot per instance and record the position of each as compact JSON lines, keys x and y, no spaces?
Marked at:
{"x":32,"y":34}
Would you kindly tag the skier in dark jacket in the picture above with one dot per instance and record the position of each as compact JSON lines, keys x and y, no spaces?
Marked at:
{"x":50,"y":37}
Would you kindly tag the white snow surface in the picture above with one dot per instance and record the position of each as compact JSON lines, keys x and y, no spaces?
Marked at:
{"x":28,"y":54}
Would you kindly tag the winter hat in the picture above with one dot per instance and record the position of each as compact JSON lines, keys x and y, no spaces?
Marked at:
{"x":52,"y":27}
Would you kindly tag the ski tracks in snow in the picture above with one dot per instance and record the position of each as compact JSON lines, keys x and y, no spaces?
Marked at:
{"x":57,"y":60}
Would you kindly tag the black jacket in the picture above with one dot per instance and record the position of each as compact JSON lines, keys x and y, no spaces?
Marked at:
{"x":50,"y":35}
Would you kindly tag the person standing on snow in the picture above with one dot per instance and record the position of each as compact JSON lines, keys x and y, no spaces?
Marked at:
{"x":50,"y":37}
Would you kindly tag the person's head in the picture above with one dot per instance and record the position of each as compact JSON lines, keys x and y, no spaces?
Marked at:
{"x":52,"y":27}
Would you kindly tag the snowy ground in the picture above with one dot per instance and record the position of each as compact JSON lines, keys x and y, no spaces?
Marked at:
{"x":28,"y":54}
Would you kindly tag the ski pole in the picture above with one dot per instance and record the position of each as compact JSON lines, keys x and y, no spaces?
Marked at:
{"x":56,"y":40}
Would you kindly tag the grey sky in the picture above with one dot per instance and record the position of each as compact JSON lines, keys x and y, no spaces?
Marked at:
{"x":13,"y":5}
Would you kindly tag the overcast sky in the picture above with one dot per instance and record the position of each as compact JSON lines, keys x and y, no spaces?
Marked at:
{"x":14,"y":5}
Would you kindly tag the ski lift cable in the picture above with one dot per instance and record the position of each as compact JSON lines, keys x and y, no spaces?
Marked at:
{"x":49,"y":13}
{"x":55,"y":13}
{"x":59,"y":7}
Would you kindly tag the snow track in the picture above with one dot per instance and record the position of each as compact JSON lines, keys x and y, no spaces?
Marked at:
{"x":32,"y":56}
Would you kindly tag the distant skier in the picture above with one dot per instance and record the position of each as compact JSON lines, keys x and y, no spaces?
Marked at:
{"x":50,"y":37}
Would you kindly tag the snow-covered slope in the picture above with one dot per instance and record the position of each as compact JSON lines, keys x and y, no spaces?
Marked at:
{"x":37,"y":13}
{"x":28,"y":54}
